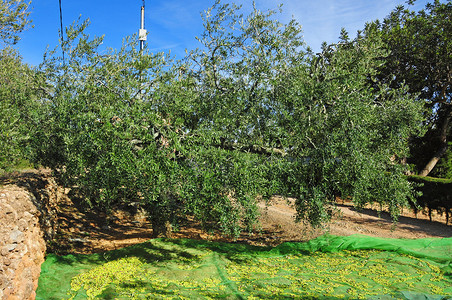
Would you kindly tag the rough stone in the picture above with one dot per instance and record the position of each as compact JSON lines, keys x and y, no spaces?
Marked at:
{"x":3,"y":282}
{"x":22,"y":246}
{"x":22,"y":224}
{"x":10,"y":272}
{"x":6,"y":293}
{"x":6,"y":261}
{"x":7,"y":214}
{"x":22,"y":249}
{"x":8,"y":248}
{"x":27,"y":216}
{"x":16,"y":236}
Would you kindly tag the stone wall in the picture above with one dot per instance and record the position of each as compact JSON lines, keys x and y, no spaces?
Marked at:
{"x":22,"y":245}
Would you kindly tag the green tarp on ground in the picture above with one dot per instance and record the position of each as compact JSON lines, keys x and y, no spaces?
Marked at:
{"x":329,"y":267}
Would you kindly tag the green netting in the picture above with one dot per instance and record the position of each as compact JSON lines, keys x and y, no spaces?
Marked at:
{"x":329,"y":267}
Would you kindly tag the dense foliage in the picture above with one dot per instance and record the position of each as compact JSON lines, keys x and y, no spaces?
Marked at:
{"x":444,"y":167}
{"x":345,"y":133}
{"x":421,"y":47}
{"x":17,"y":105}
{"x":18,"y":86}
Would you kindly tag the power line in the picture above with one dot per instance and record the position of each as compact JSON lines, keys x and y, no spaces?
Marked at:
{"x":61,"y":29}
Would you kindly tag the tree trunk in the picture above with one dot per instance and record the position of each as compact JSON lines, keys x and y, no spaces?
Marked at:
{"x":161,"y":229}
{"x":433,"y":161}
{"x":443,"y":148}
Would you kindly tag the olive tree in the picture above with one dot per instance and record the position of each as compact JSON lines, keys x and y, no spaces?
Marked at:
{"x":117,"y":127}
{"x":250,"y":113}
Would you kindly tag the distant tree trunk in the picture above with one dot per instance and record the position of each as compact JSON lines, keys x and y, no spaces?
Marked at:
{"x":433,"y":161}
{"x":443,"y":148}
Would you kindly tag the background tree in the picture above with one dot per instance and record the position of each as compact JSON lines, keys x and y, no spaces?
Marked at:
{"x":18,"y":92}
{"x":421,"y":47}
{"x":13,"y":19}
{"x":18,"y":95}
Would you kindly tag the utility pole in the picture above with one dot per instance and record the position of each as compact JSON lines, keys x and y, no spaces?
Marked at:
{"x":142,"y":32}
{"x":141,"y":37}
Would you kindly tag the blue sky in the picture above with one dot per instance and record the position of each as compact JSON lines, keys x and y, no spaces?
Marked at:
{"x":173,"y":24}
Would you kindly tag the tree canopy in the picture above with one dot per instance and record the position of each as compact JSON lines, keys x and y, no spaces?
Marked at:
{"x":249,"y":114}
{"x":421,"y":57}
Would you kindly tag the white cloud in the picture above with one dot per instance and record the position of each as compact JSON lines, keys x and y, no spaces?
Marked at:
{"x":322,"y":20}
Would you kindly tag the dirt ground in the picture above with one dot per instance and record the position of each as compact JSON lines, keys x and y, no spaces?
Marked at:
{"x":348,"y":220}
{"x":88,"y":232}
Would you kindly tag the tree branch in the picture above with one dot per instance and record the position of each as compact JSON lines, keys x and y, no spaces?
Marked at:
{"x":214,"y":69}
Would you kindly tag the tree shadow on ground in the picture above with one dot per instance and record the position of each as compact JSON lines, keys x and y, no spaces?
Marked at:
{"x":434,"y":228}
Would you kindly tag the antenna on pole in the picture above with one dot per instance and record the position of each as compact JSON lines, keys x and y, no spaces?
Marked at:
{"x":142,"y":32}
